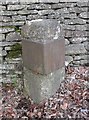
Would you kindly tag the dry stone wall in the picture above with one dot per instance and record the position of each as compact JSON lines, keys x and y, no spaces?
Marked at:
{"x":74,"y":19}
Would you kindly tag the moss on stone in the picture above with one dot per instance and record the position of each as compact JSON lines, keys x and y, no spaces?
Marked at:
{"x":16,"y":51}
{"x":17,"y":29}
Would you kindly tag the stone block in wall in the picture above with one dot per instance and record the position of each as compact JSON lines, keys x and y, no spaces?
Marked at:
{"x":8,"y":13}
{"x":76,"y":63}
{"x":81,"y":27}
{"x":52,"y":16}
{"x":6,"y":66}
{"x":75,"y":21}
{"x":45,"y":12}
{"x":83,"y":4}
{"x":39,"y":6}
{"x":77,"y":9}
{"x":2,"y":37}
{"x":70,"y":4}
{"x":73,"y":0}
{"x":57,"y":6}
{"x":84,"y":62}
{"x":67,"y":42}
{"x":32,"y":17}
{"x":84,"y":15}
{"x":81,"y":57}
{"x":7,"y":48}
{"x":6,"y":30}
{"x":27,"y":12}
{"x":13,"y":36}
{"x":71,"y":34}
{"x":4,"y":43}
{"x":5,"y":2}
{"x":8,"y":78}
{"x":81,"y":9}
{"x":18,"y":18}
{"x":68,"y":27}
{"x":71,"y":10}
{"x":87,"y":22}
{"x":13,"y":60}
{"x":69,"y":16}
{"x":2,"y":7}
{"x":4,"y":72}
{"x":78,"y":40}
{"x":5,"y":19}
{"x":74,"y":49}
{"x":3,"y":53}
{"x":68,"y":60}
{"x":1,"y":49}
{"x":15,"y":7}
{"x":18,"y":23}
{"x":86,"y":45}
{"x":1,"y":59}
{"x":39,"y":1}
{"x":63,"y":5}
{"x":81,"y":62}
{"x":63,"y":11}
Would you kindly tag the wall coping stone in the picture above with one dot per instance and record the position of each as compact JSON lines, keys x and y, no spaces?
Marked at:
{"x":52,"y":1}
{"x":74,"y":0}
{"x":38,"y":1}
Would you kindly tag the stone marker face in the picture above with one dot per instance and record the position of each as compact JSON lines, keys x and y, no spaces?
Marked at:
{"x":41,"y":87}
{"x":42,"y":30}
{"x":43,"y":46}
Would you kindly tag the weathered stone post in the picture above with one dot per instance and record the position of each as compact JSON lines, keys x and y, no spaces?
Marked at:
{"x":43,"y":57}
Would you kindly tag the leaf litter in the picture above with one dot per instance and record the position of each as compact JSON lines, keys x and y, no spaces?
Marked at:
{"x":70,"y":101}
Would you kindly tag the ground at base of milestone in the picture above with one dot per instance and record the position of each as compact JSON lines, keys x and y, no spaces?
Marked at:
{"x":70,"y":101}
